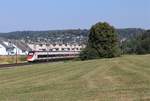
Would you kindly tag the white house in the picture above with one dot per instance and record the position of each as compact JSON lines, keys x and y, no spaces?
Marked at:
{"x":13,"y":47}
{"x":20,"y":48}
{"x":3,"y":50}
{"x":17,"y":47}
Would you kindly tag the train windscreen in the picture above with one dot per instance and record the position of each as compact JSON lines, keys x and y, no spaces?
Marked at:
{"x":31,"y":53}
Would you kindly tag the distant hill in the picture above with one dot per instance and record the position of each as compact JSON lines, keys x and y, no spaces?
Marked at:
{"x":64,"y":36}
{"x":129,"y":32}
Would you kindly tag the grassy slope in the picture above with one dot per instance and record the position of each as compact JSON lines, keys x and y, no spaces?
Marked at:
{"x":121,"y":79}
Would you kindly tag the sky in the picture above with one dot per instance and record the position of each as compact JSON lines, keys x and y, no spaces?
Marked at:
{"x":20,"y":15}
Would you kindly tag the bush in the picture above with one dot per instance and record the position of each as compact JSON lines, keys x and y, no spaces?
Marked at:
{"x":89,"y":53}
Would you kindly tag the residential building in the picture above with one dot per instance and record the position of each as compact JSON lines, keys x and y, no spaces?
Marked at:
{"x":13,"y":48}
{"x":56,"y":47}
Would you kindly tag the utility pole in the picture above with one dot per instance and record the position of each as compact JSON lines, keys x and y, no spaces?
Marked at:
{"x":16,"y":53}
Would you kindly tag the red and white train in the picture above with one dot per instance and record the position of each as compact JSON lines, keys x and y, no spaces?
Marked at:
{"x":47,"y":55}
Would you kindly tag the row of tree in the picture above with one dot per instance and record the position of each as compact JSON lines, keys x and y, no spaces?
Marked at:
{"x":103,"y":42}
{"x":137,"y":45}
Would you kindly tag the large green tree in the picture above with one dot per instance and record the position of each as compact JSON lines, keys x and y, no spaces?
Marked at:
{"x":103,"y":38}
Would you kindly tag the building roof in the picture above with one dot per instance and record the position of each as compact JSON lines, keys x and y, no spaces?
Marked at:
{"x":21,"y":45}
{"x":3,"y":44}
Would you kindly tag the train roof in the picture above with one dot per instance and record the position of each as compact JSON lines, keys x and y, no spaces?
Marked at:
{"x":54,"y":51}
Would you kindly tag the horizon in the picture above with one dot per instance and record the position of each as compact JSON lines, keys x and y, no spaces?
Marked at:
{"x":65,"y":29}
{"x":33,"y":15}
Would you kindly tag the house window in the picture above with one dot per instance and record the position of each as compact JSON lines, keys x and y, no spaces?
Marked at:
{"x":12,"y":52}
{"x":47,"y":45}
{"x":81,"y":48}
{"x":40,"y":45}
{"x":54,"y":45}
{"x":62,"y":49}
{"x":23,"y":51}
{"x":57,"y":49}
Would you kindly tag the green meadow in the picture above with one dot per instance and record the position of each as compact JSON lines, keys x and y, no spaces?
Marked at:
{"x":126,"y":78}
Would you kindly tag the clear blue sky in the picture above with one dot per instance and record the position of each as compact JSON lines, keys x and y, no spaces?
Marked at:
{"x":69,"y":14}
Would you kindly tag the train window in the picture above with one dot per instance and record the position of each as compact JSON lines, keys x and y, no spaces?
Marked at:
{"x":50,"y":50}
{"x":43,"y":49}
{"x":66,"y":55}
{"x":52,"y":55}
{"x":55,"y":55}
{"x":31,"y":53}
{"x":41,"y":56}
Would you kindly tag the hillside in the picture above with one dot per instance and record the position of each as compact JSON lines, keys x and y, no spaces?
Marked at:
{"x":121,"y":79}
{"x":65,"y":36}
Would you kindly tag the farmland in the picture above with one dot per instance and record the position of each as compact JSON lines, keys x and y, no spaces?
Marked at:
{"x":126,"y":78}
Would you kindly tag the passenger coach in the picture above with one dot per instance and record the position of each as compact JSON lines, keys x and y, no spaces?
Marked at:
{"x":47,"y":55}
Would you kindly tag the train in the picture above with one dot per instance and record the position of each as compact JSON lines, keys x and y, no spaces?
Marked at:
{"x":34,"y":56}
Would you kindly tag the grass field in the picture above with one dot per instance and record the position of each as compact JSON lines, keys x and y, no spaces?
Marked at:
{"x":121,"y":79}
{"x":12,"y":59}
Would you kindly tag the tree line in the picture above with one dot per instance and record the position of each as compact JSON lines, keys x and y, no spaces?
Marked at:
{"x":137,"y":45}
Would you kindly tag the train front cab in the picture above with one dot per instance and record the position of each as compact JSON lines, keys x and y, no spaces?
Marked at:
{"x":30,"y":57}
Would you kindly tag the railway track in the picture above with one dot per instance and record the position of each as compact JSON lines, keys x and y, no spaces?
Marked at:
{"x":13,"y":65}
{"x":3,"y":66}
{"x":19,"y":64}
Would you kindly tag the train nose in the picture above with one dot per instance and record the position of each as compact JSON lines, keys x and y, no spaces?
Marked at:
{"x":29,"y":58}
